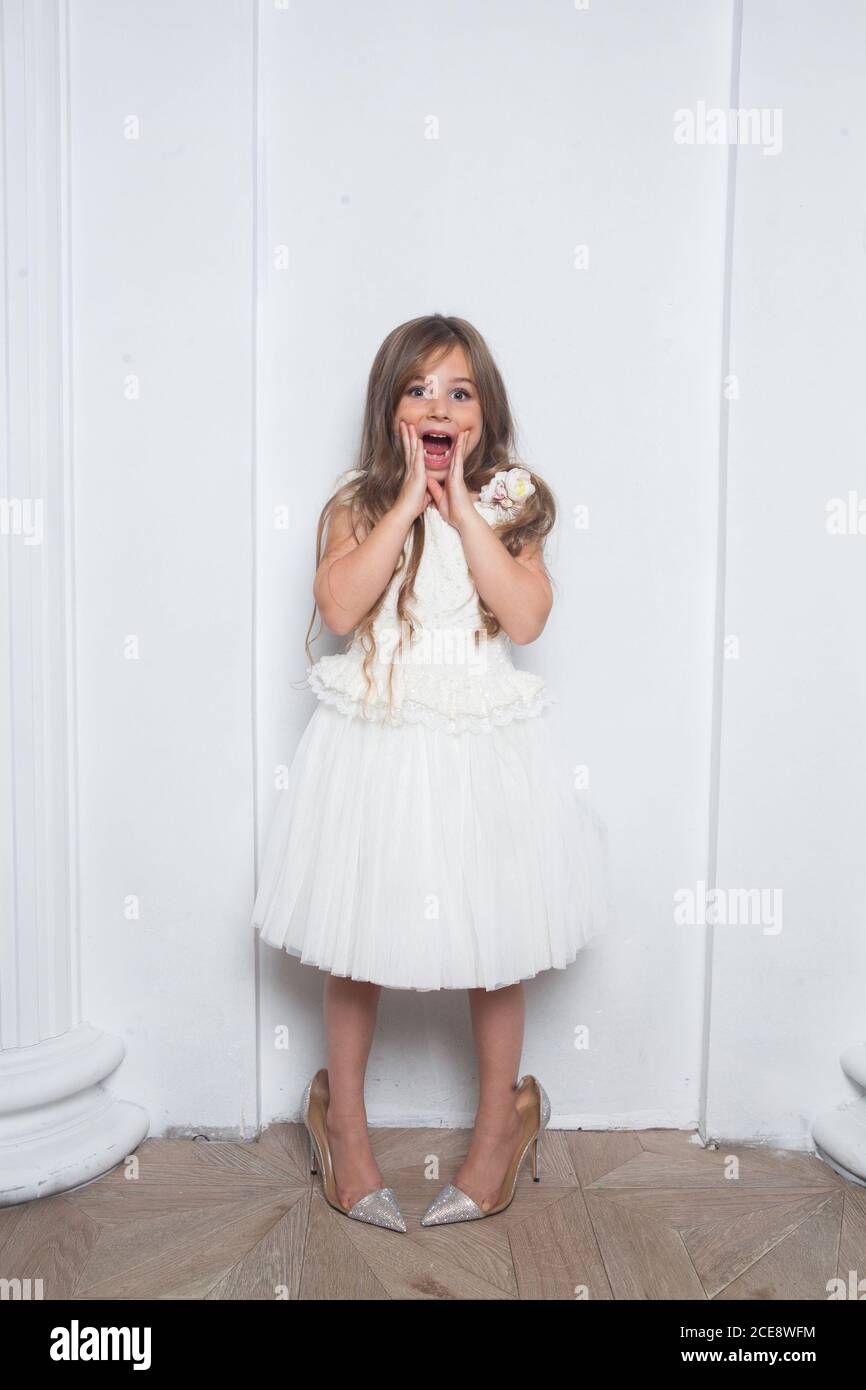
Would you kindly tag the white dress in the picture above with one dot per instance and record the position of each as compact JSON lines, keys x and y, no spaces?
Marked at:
{"x":433,"y":839}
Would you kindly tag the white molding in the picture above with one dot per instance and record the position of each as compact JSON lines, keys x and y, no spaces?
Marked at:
{"x":58,"y":1126}
{"x":840,"y":1135}
{"x":39,"y":990}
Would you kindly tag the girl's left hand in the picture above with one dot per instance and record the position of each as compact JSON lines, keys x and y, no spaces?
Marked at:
{"x":453,"y":500}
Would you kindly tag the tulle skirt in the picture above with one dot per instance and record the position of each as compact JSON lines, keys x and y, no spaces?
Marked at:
{"x":421,"y":859}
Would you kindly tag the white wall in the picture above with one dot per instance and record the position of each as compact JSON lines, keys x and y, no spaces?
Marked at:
{"x":304,"y":128}
{"x":793,"y":788}
{"x":161,"y":237}
{"x":554,"y":130}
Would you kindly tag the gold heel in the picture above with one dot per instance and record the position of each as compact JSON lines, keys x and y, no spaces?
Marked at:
{"x":378,"y":1208}
{"x":536,"y":1159}
{"x":450,"y":1204}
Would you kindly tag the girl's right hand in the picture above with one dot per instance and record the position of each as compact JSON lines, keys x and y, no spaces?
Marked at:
{"x":414,"y":496}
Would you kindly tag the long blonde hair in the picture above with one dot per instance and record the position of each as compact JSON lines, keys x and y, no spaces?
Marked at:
{"x":382,"y":465}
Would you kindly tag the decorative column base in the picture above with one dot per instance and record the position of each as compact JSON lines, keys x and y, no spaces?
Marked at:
{"x":59,"y":1126}
{"x":840,"y":1135}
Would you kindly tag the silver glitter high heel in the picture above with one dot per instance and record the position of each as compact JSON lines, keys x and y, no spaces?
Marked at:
{"x":378,"y":1208}
{"x":450,"y":1204}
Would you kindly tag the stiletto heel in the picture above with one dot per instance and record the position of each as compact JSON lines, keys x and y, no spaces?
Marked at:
{"x":544,"y":1117}
{"x":450,"y":1204}
{"x":378,"y":1208}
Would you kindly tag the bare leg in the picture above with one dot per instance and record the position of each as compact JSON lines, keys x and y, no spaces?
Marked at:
{"x":497,"y":1025}
{"x":350,"y":1008}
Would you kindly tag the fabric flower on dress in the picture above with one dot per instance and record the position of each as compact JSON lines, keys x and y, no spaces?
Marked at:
{"x":507,"y":489}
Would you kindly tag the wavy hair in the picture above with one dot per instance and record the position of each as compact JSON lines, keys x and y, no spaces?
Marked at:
{"x":382,"y":466}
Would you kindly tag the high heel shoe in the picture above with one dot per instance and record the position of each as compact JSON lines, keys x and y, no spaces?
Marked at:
{"x":450,"y":1204}
{"x":379,"y":1208}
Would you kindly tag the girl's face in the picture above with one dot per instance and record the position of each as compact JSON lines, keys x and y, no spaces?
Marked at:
{"x":440,"y":403}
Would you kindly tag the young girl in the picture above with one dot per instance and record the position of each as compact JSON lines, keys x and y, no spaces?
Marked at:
{"x":430,"y":837}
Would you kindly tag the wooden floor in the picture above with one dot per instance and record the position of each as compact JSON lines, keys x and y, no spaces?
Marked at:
{"x":645,"y":1215}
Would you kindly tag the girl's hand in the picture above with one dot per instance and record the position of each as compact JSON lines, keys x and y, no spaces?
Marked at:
{"x":453,"y":500}
{"x":414,"y":497}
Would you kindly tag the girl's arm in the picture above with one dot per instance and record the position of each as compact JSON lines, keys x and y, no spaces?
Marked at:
{"x":352,"y":574}
{"x":516,"y":588}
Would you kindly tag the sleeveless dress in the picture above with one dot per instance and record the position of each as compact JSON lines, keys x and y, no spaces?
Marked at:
{"x":429,"y":836}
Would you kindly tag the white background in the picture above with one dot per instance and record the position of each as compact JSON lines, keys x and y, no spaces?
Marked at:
{"x":211,"y":386}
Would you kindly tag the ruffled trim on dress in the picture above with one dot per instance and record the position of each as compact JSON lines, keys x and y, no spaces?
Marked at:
{"x":441,"y":698}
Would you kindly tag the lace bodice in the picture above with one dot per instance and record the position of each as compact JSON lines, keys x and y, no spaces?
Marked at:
{"x":443,"y":678}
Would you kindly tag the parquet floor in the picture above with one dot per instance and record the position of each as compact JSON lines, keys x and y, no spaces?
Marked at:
{"x":616,"y":1215}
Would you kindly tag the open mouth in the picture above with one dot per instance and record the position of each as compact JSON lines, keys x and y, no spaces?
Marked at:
{"x":437,"y":449}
